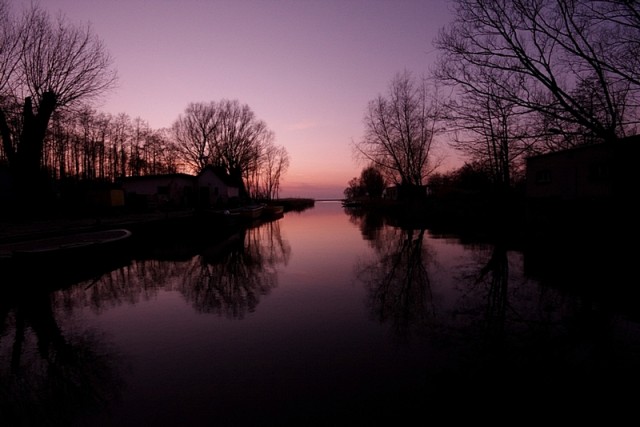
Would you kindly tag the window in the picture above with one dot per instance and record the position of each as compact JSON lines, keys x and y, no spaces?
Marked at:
{"x":598,"y":172}
{"x":543,"y":177}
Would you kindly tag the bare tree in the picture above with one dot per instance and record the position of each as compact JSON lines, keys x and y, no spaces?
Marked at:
{"x":575,"y":61}
{"x":239,"y":141}
{"x":163,"y":153}
{"x":274,"y":163}
{"x":224,"y":134}
{"x":51,"y":64}
{"x":400,"y":131}
{"x":490,"y":130}
{"x":194,"y":134}
{"x":9,"y":48}
{"x":120,"y":133}
{"x":84,"y":144}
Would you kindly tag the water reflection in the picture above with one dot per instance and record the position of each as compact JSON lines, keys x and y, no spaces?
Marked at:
{"x":397,"y":279}
{"x":51,"y":371}
{"x":318,"y":315}
{"x":369,"y":222}
{"x":54,"y":371}
{"x":495,"y":324}
{"x":229,"y":278}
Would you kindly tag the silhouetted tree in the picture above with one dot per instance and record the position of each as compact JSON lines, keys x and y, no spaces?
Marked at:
{"x":86,"y":145}
{"x":372,"y":181}
{"x":225,"y":134}
{"x":370,"y":184}
{"x":355,"y":189}
{"x":400,"y":131}
{"x":273,"y":163}
{"x":194,"y":133}
{"x":573,"y":63}
{"x":490,"y":130}
{"x":45,"y":65}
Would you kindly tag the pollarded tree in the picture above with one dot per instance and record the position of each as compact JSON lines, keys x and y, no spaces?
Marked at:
{"x":400,"y":131}
{"x":48,"y":64}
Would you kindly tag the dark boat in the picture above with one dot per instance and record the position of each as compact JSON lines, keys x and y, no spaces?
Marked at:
{"x":273,"y":211}
{"x":82,"y":245}
{"x":54,"y":262}
{"x":251,"y":211}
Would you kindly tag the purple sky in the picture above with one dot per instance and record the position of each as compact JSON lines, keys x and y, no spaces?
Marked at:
{"x":307,"y":68}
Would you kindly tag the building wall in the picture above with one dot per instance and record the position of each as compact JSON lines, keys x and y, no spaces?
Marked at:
{"x":160,"y":191}
{"x":585,"y":172}
{"x":595,"y":184}
{"x":218,"y":191}
{"x":178,"y":190}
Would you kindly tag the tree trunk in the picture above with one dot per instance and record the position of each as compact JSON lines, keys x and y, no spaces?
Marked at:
{"x":30,"y":180}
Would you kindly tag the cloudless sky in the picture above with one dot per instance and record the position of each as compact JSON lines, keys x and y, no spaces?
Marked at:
{"x":307,"y":68}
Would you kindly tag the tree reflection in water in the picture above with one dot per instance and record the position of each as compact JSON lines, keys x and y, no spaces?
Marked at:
{"x":486,"y":321}
{"x":369,"y":222}
{"x":485,"y":298}
{"x":397,"y":280}
{"x":225,"y":276}
{"x":55,"y":372}
{"x":229,"y":278}
{"x":51,"y":371}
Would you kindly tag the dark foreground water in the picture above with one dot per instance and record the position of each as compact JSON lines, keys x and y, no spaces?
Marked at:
{"x":326,"y":318}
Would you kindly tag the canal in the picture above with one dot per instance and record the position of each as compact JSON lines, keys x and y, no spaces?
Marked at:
{"x":327,"y":316}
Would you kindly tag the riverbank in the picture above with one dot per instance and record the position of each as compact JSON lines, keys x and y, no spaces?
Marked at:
{"x":20,"y":229}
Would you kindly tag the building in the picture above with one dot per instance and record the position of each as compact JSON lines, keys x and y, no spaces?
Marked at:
{"x":405,"y":192}
{"x":210,"y":188}
{"x":590,"y":180}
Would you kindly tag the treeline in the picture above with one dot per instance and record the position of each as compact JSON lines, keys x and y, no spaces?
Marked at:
{"x":91,"y":145}
{"x":512,"y":79}
{"x":52,"y":71}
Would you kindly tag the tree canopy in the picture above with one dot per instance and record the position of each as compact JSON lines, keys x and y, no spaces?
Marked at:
{"x":228,"y":135}
{"x":572,"y":63}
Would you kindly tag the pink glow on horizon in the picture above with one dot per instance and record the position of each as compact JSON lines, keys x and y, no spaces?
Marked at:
{"x":307,"y":68}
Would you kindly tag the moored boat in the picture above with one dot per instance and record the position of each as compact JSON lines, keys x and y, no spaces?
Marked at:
{"x":57,"y":261}
{"x":224,"y":216}
{"x":82,"y":244}
{"x":273,"y":211}
{"x":251,"y":211}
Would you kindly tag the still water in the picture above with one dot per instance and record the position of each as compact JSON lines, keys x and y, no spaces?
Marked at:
{"x":328,"y":317}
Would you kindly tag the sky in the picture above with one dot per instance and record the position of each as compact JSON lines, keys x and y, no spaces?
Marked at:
{"x":307,"y":68}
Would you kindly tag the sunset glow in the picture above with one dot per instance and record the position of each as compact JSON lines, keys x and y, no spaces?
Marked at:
{"x":306,"y":68}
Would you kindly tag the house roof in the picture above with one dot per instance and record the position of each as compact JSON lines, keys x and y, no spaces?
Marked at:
{"x":629,"y":141}
{"x":221,"y":173}
{"x":157,"y":176}
{"x":218,"y":171}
